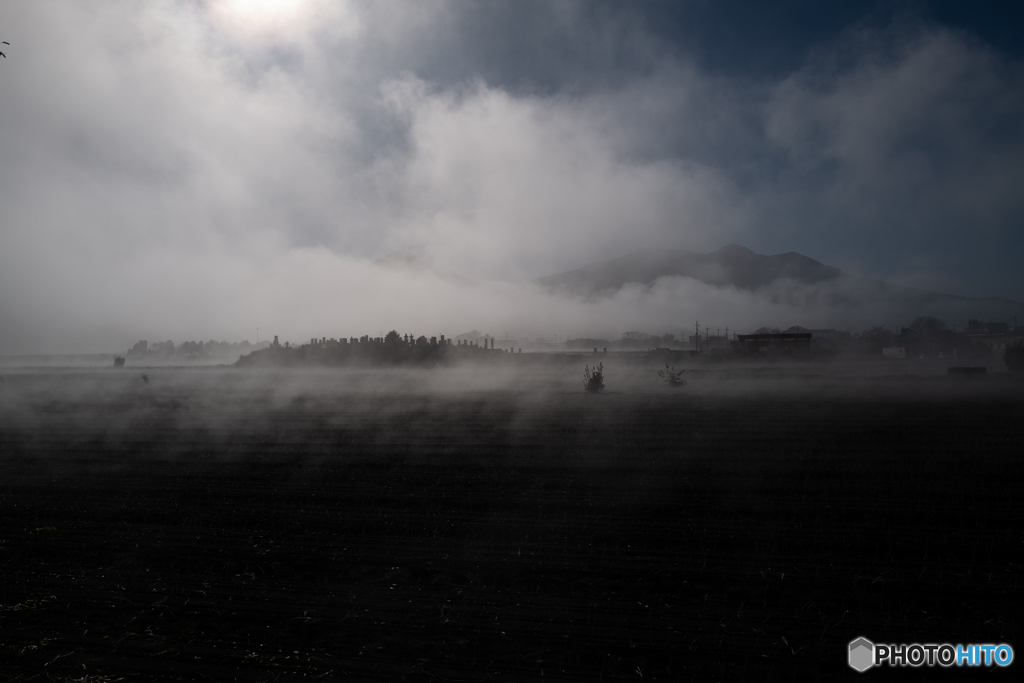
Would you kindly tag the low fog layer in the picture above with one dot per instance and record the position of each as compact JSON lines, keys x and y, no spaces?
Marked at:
{"x":324,"y":295}
{"x":195,"y":170}
{"x":31,"y":398}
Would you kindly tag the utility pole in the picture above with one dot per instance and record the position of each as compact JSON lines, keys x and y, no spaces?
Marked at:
{"x":696,"y":335}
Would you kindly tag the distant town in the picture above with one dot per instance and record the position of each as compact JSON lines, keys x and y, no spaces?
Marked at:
{"x":925,"y":338}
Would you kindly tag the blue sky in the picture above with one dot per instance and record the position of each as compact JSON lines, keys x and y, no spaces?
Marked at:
{"x":776,"y":38}
{"x":164,"y":161}
{"x":929,"y":55}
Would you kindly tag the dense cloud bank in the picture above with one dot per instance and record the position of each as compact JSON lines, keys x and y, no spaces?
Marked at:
{"x":197,"y":169}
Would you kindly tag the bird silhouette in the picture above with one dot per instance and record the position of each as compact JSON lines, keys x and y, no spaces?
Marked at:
{"x":145,"y":378}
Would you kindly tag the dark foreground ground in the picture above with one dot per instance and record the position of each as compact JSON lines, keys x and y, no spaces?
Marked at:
{"x":204,"y":528}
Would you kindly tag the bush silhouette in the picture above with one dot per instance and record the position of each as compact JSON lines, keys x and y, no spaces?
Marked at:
{"x":593,"y":380}
{"x":672,"y":378}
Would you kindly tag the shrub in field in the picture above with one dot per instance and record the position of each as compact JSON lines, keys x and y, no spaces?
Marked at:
{"x":1013,"y":356}
{"x":593,"y":380}
{"x":672,"y":378}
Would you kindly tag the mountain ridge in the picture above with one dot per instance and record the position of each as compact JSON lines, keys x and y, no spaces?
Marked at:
{"x":739,"y":267}
{"x":733,"y":265}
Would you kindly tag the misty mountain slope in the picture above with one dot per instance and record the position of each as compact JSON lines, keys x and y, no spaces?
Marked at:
{"x":790,"y":278}
{"x":730,"y":266}
{"x":405,"y":261}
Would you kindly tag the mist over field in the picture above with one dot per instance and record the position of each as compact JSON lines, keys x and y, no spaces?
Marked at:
{"x":197,"y":169}
{"x":476,"y":522}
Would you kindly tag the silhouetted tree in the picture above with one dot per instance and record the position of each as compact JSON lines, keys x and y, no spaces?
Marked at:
{"x":927,"y":335}
{"x":928,"y":325}
{"x":139,"y":349}
{"x":878,"y":338}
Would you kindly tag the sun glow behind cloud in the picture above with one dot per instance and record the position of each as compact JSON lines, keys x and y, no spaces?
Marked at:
{"x":278,"y":20}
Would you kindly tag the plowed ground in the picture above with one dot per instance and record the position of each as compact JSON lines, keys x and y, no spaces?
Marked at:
{"x":180,"y":534}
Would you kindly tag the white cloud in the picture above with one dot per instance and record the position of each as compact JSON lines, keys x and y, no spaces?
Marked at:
{"x":917,"y":144}
{"x":187,"y":169}
{"x":519,"y":186}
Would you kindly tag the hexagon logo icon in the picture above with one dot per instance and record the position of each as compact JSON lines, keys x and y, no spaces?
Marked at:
{"x":861,"y":654}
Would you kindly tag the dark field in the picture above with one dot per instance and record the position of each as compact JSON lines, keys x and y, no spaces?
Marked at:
{"x":453,"y":525}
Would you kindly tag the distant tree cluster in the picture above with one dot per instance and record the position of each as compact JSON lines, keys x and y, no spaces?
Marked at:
{"x":926,"y":337}
{"x":190,"y":350}
{"x":391,"y":349}
{"x":628,"y":341}
{"x":638,"y":340}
